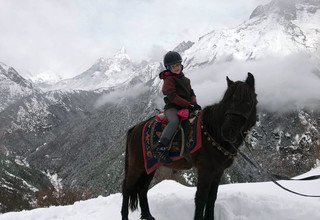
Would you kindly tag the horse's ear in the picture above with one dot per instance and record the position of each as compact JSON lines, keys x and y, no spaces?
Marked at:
{"x":250,"y":80}
{"x":230,"y":82}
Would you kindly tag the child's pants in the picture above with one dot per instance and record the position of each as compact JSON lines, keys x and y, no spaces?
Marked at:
{"x":171,"y":127}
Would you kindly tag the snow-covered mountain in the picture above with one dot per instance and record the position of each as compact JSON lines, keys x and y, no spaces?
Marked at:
{"x":278,"y":29}
{"x":46,"y":78}
{"x":13,"y":86}
{"x":183,"y":46}
{"x":111,"y":72}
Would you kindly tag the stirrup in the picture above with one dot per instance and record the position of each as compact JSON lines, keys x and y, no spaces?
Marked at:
{"x":162,"y":155}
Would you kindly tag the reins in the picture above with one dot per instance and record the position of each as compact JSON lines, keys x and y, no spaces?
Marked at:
{"x":218,"y":146}
{"x":274,"y":177}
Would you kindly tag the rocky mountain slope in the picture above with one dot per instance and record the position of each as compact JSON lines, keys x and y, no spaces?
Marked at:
{"x":18,"y":185}
{"x":13,"y":86}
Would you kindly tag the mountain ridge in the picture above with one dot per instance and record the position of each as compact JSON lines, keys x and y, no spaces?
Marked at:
{"x":260,"y":36}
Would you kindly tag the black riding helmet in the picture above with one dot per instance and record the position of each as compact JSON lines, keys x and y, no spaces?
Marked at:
{"x":170,"y":58}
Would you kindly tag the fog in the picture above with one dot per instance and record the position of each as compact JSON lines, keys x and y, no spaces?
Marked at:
{"x":282,"y":84}
{"x":117,"y":96}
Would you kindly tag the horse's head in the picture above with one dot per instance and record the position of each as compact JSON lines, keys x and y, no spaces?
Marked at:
{"x":240,"y":102}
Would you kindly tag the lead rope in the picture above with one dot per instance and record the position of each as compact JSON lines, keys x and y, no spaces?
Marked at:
{"x":261,"y":171}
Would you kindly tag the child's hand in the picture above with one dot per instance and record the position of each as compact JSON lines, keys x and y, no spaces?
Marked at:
{"x":194,"y":107}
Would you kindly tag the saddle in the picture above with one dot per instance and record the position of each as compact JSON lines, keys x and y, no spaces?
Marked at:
{"x":183,"y":135}
{"x":185,"y":141}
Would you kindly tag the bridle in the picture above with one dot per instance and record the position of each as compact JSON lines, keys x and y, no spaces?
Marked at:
{"x":244,"y":115}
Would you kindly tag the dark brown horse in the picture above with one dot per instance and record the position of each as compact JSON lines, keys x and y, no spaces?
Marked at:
{"x":226,"y":122}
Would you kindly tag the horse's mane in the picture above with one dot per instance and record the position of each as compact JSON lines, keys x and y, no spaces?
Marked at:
{"x":213,"y":119}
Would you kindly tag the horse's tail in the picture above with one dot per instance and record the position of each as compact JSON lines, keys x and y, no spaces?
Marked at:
{"x":126,"y":156}
{"x":133,"y":195}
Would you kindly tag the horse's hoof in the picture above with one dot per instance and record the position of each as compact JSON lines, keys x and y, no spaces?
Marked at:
{"x":149,"y":217}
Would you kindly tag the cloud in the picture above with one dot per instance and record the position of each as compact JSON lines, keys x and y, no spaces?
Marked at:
{"x":282,"y":84}
{"x":156,"y":53}
{"x":117,"y":96}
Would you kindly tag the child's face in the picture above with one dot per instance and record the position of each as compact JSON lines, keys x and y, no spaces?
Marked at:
{"x":176,"y":68}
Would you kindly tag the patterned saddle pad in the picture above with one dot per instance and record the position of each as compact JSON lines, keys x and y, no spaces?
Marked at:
{"x":152,"y":131}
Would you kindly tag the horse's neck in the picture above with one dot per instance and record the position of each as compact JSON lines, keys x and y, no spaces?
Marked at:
{"x":213,"y":119}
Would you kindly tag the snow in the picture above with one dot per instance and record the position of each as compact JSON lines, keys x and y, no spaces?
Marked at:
{"x":170,"y":200}
{"x":21,"y":161}
{"x":268,"y":34}
{"x":35,"y":107}
{"x":34,"y":189}
{"x":55,"y":180}
{"x":106,"y":73}
{"x":309,"y":23}
{"x":4,"y":66}
{"x":48,"y":77}
{"x":11,"y":88}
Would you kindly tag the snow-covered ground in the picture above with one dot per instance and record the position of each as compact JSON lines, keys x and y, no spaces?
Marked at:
{"x":170,"y":201}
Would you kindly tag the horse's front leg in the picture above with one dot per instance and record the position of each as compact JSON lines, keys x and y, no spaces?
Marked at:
{"x":203,"y":190}
{"x":209,"y":212}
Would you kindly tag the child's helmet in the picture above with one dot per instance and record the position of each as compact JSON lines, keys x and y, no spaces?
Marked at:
{"x":170,"y":58}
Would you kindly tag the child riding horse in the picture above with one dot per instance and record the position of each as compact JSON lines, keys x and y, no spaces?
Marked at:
{"x":224,"y":127}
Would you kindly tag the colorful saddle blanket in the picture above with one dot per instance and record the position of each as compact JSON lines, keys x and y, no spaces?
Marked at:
{"x":151,"y":133}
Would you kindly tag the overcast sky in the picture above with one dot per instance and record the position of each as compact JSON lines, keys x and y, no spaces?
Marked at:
{"x":68,"y":36}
